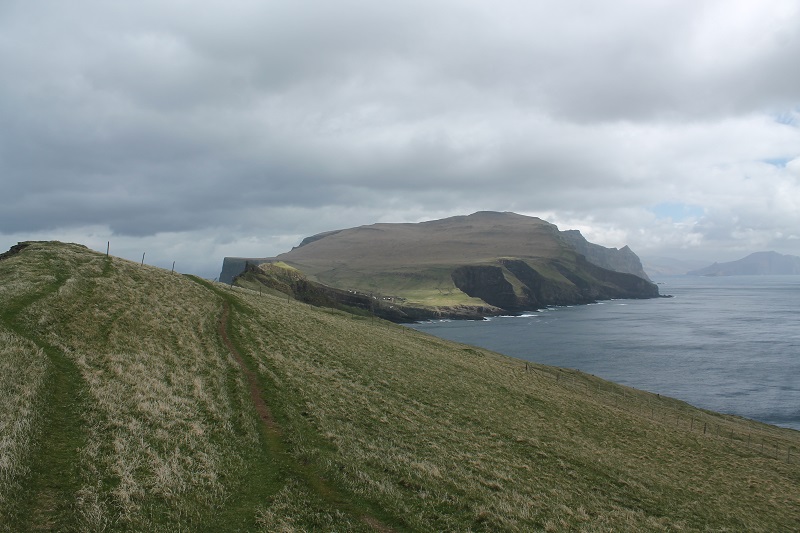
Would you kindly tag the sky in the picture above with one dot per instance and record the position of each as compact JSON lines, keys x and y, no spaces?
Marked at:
{"x":193,"y":130}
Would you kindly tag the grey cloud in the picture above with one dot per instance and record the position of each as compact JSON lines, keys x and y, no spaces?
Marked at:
{"x":151,"y":118}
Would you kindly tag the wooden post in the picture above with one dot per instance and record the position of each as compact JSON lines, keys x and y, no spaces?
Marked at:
{"x":704,"y":428}
{"x":143,"y":258}
{"x":173,"y":266}
{"x":108,"y":247}
{"x":691,"y":427}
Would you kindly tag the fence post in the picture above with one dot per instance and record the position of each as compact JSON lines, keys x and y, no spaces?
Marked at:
{"x":704,"y":427}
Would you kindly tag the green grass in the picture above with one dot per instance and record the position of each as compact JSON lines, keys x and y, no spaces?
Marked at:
{"x":50,"y":464}
{"x":428,"y":285}
{"x":376,"y":426}
{"x":460,"y":438}
{"x":23,"y":374}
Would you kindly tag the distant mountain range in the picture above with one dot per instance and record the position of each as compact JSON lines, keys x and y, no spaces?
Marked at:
{"x":759,"y":263}
{"x":465,"y":266}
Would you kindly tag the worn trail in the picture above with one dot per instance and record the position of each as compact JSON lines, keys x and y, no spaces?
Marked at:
{"x":272,"y":432}
{"x":262,"y":409}
{"x":47,"y":503}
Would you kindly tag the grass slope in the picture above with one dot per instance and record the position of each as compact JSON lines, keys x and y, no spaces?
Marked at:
{"x":373,"y":426}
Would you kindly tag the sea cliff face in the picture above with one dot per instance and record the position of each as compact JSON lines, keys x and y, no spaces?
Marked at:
{"x":234,"y":266}
{"x":619,"y":260}
{"x":515,"y":285}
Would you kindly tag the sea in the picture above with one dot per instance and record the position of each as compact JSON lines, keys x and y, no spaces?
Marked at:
{"x":730,"y":344}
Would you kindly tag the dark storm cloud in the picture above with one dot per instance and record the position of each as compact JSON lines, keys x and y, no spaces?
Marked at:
{"x":287,"y":118}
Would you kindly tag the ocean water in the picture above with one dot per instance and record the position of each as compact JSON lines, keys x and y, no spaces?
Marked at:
{"x":730,"y":344}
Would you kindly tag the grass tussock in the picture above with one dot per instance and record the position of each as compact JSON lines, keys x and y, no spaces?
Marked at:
{"x":23,"y":368}
{"x":375,"y":426}
{"x":167,"y":415}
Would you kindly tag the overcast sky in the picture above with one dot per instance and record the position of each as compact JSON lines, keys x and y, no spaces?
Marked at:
{"x":192,"y":130}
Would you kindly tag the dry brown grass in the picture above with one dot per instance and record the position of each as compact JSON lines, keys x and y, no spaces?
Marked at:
{"x":23,"y":367}
{"x":450,"y":437}
{"x":167,"y":418}
{"x":424,"y":434}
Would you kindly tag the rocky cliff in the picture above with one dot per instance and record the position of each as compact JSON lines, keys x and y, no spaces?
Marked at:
{"x":233,"y":266}
{"x":516,"y":285}
{"x":620,"y":260}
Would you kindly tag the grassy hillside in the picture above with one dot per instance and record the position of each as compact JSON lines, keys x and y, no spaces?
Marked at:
{"x":134,"y":399}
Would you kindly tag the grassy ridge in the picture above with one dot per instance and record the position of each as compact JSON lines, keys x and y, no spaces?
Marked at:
{"x":165,"y":411}
{"x":380,"y":426}
{"x":49,"y":461}
{"x":455,"y":438}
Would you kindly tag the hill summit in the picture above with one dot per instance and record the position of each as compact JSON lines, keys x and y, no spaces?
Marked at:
{"x":481,"y":264}
{"x":759,"y":263}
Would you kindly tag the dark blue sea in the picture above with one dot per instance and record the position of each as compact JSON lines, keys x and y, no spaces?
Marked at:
{"x":730,"y":344}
